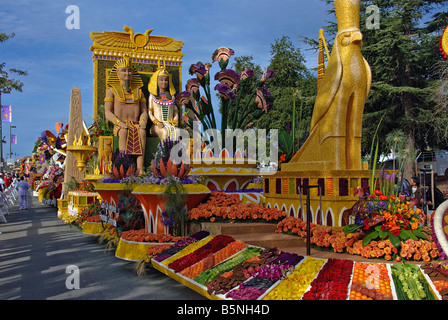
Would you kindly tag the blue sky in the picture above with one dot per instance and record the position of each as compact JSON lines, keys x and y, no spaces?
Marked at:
{"x":57,"y":59}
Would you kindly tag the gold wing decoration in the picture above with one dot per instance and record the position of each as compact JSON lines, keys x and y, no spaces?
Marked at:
{"x":112,"y":39}
{"x":134,"y":41}
{"x":158,"y":43}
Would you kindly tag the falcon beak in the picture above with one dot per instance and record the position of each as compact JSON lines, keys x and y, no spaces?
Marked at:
{"x":356,"y":37}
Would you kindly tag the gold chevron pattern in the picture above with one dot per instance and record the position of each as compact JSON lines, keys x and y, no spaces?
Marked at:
{"x":133,"y":145}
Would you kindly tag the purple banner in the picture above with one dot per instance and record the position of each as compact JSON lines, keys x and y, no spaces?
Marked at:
{"x":6,"y":114}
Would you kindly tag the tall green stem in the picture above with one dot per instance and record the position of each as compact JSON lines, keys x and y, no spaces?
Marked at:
{"x":237,"y":106}
{"x":246,"y":110}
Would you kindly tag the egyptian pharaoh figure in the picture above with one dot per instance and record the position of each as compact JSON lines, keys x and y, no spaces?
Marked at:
{"x":162,"y":110}
{"x":334,"y":142}
{"x":125,"y":106}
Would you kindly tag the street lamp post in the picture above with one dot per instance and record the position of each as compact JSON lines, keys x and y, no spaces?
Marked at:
{"x":10,"y":141}
{"x":1,"y":135}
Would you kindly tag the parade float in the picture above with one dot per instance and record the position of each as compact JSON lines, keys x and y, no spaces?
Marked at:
{"x":222,"y":268}
{"x":47,"y":163}
{"x":149,"y":207}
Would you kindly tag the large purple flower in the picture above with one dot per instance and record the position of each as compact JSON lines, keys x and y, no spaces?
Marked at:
{"x":198,"y":69}
{"x":222,"y":55}
{"x":246,"y":74}
{"x":183,"y":98}
{"x":228,"y":77}
{"x":264,"y":99}
{"x":192,"y":85}
{"x":267,"y":74}
{"x":225,"y":91}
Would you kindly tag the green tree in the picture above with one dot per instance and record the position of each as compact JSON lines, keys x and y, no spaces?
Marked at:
{"x":401,"y":54}
{"x":7,"y":83}
{"x":292,"y":81}
{"x":441,"y":95}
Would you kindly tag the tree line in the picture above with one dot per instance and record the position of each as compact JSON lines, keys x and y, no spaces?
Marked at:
{"x":409,"y":80}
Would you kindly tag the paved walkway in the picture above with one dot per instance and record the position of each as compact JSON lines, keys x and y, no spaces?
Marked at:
{"x":36,"y":248}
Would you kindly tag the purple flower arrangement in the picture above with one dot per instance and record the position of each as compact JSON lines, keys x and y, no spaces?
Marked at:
{"x":273,"y":271}
{"x":232,"y":88}
{"x":266,"y":277}
{"x":288,"y":258}
{"x":179,"y":245}
{"x":245,"y":293}
{"x":442,"y":253}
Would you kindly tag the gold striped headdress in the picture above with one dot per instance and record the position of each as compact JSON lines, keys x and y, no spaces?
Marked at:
{"x":152,"y":85}
{"x":114,"y":82}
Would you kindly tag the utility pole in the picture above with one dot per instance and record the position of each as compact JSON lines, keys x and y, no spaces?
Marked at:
{"x":1,"y":135}
{"x":10,"y":140}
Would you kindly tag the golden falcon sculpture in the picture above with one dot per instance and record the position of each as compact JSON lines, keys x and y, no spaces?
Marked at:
{"x":334,"y":142}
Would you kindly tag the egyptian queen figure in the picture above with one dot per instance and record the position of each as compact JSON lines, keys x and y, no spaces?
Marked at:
{"x":125,"y":106}
{"x":162,"y":109}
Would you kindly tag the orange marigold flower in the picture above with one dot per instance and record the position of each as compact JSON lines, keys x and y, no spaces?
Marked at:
{"x":434,"y":253}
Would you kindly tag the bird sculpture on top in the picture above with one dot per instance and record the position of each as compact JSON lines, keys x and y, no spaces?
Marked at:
{"x":334,"y":142}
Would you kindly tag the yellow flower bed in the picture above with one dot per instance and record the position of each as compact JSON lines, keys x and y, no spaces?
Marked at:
{"x":296,"y":283}
{"x":188,"y":249}
{"x":115,"y":186}
{"x":109,"y":235}
{"x":67,"y":217}
{"x":41,"y":192}
{"x":92,"y":227}
{"x":131,"y":250}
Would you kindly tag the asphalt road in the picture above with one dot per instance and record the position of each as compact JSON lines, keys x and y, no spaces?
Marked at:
{"x":41,"y":258}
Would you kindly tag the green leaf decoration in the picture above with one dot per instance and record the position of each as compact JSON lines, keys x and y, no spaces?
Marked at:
{"x":383,"y":234}
{"x":369,"y":237}
{"x":418,"y":233}
{"x":404,"y":235}
{"x":409,"y":234}
{"x":351,"y":228}
{"x":395,"y":240}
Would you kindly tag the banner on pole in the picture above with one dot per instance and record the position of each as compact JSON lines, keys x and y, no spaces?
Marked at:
{"x":6,"y":114}
{"x":13,"y":139}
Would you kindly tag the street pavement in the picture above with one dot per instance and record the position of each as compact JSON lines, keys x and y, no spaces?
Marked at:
{"x":40,"y":257}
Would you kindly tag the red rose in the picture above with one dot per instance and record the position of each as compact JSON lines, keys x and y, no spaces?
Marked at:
{"x":396,"y":232}
{"x":366,"y":223}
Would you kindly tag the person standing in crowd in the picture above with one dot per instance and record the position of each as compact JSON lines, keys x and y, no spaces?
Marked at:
{"x":22,"y":189}
{"x":415,"y":184}
{"x":403,"y":186}
{"x":7,"y":180}
{"x":2,"y":183}
{"x":438,"y":197}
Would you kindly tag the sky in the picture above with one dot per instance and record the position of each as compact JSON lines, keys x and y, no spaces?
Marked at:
{"x":58,"y":59}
